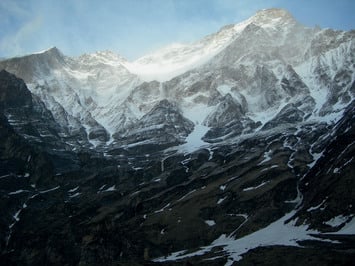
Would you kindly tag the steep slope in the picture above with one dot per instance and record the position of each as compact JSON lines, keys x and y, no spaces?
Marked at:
{"x":164,"y":125}
{"x":75,"y":89}
{"x":27,"y":116}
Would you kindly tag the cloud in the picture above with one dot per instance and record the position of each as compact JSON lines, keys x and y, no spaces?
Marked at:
{"x":131,"y":28}
{"x":15,"y":44}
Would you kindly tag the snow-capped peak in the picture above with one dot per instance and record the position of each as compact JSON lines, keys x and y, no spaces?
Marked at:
{"x":176,"y":59}
{"x":102,"y":57}
{"x":52,"y":49}
{"x":272,"y":14}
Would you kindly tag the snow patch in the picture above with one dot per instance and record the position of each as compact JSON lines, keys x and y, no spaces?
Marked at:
{"x":256,"y":187}
{"x":316,"y":157}
{"x":267,"y":157}
{"x":221,"y":200}
{"x":318,"y":206}
{"x":189,"y":193}
{"x":49,"y":190}
{"x":194,"y":139}
{"x":277,"y":233}
{"x":163,"y":209}
{"x":210,"y":222}
{"x":73,"y":190}
{"x":222,"y":187}
{"x":348,"y":229}
{"x":17,"y":192}
{"x":112,"y":188}
{"x":75,"y":195}
{"x":337,"y":220}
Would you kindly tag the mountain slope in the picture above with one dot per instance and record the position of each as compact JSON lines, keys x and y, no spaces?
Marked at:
{"x":240,"y":152}
{"x":268,"y":61}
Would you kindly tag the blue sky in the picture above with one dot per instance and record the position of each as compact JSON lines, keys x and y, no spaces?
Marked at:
{"x":133,"y":28}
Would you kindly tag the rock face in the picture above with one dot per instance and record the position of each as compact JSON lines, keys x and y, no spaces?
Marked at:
{"x":161,"y":126}
{"x":13,"y":92}
{"x":242,"y":154}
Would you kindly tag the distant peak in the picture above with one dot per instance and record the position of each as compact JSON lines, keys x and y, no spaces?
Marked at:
{"x":273,"y":12}
{"x":106,"y":53}
{"x":272,"y":15}
{"x":51,"y":50}
{"x":104,"y":56}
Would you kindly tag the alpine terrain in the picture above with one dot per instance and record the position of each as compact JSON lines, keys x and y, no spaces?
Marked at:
{"x":237,"y":149}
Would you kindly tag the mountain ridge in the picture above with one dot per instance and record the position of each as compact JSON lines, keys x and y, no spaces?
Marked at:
{"x":101,"y":82}
{"x":244,"y":155}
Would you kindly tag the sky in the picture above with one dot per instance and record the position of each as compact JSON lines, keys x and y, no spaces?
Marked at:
{"x":133,"y":28}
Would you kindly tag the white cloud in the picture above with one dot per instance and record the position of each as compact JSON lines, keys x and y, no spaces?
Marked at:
{"x":15,"y":44}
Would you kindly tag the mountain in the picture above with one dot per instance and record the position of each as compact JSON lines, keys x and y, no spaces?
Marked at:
{"x":235,"y":149}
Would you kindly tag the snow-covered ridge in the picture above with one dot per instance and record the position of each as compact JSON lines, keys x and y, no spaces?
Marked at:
{"x":265,"y":69}
{"x":176,"y":59}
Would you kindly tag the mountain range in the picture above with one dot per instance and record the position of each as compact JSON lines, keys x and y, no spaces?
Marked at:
{"x":236,"y":149}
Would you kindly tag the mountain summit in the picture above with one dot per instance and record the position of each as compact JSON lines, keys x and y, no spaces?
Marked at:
{"x":270,"y":15}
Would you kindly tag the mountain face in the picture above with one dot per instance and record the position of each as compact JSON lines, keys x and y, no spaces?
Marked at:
{"x":238,"y":148}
